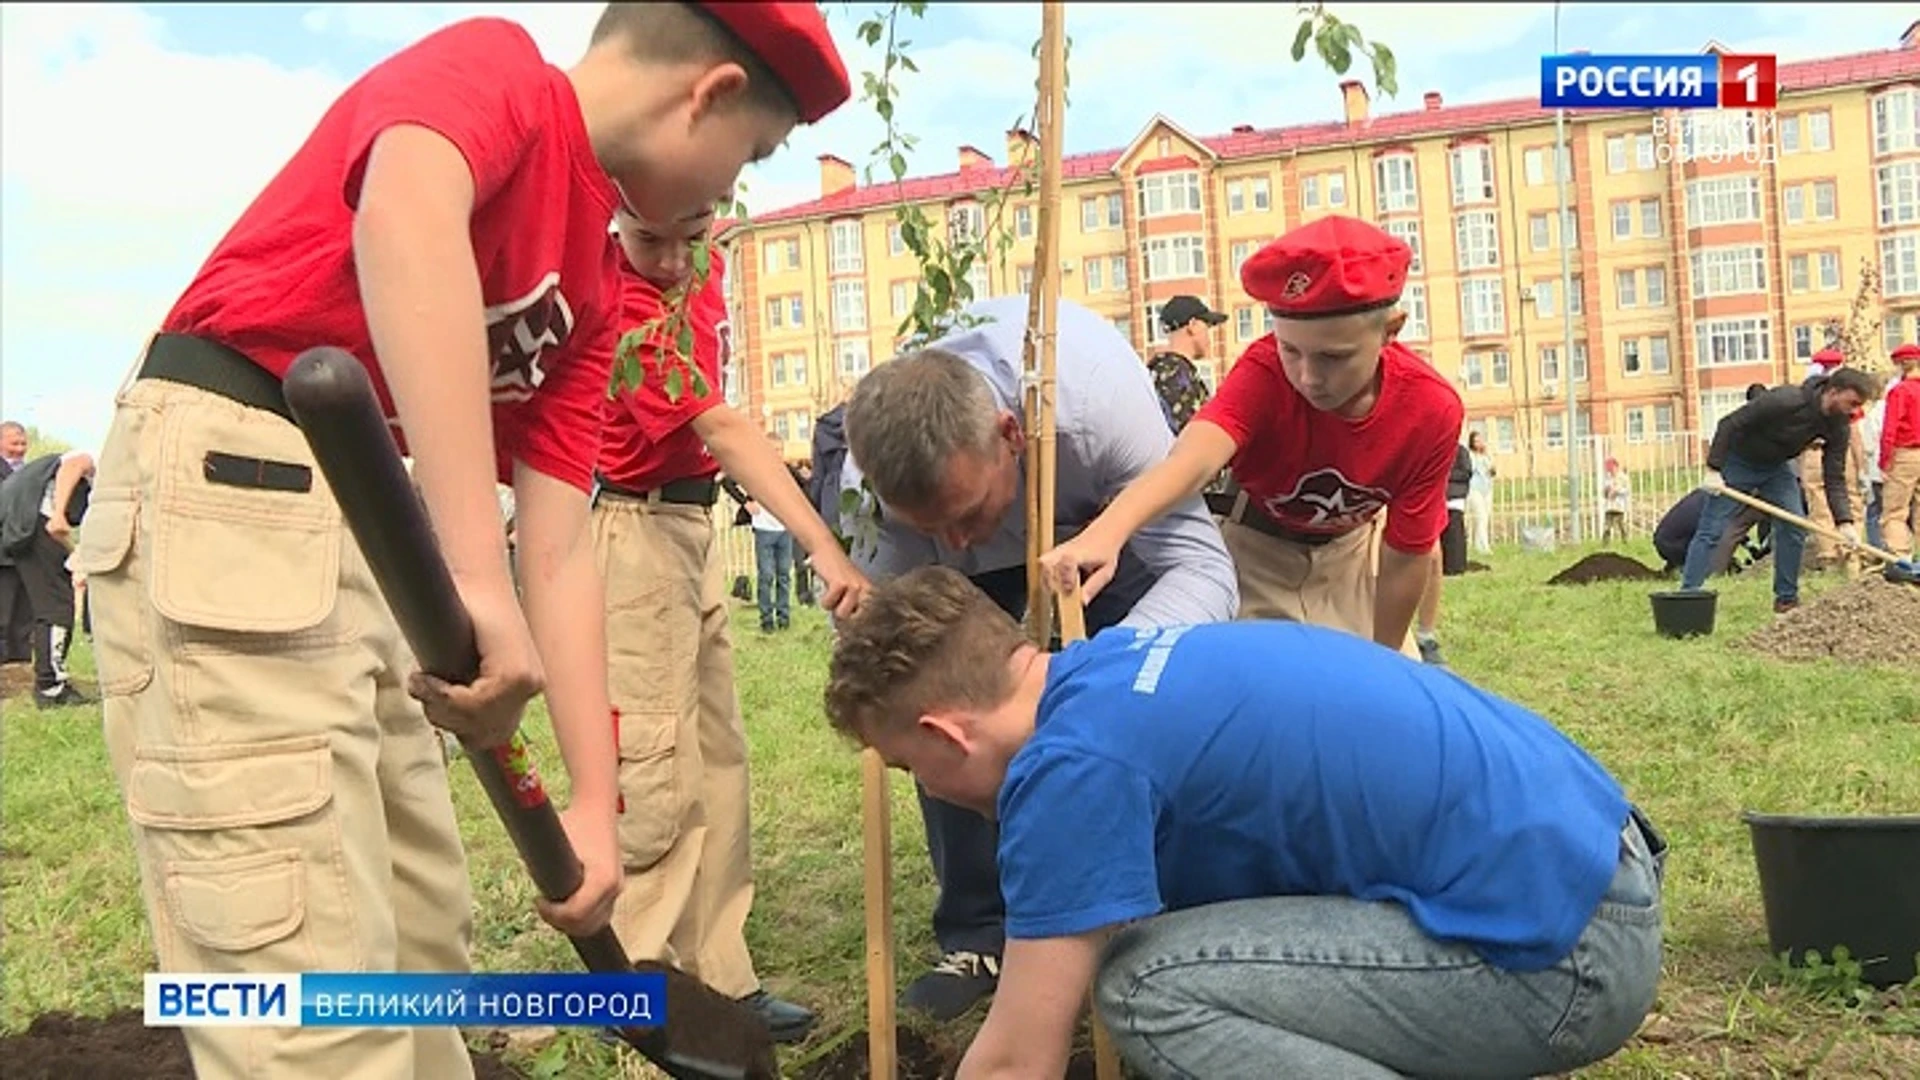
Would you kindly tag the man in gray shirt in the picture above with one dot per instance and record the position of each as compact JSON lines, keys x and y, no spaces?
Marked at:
{"x":936,"y":446}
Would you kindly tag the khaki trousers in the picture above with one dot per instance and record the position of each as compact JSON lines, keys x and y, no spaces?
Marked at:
{"x":289,"y":802}
{"x":684,"y":830}
{"x":1813,"y":489}
{"x":1898,"y":494}
{"x":1330,"y":585}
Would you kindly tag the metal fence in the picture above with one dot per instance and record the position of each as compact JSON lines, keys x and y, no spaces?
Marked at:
{"x":1530,"y":490}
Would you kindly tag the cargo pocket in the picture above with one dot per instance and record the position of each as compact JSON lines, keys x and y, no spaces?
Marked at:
{"x":121,"y":653}
{"x":245,"y":855}
{"x":254,"y":555}
{"x":649,"y":788}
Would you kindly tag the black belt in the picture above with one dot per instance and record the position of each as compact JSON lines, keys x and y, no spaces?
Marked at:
{"x":1256,"y":519}
{"x":213,"y":367}
{"x":689,"y":492}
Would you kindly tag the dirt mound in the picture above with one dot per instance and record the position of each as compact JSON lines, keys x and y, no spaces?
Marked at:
{"x":61,"y":1046}
{"x":1870,"y":621}
{"x":919,"y":1059}
{"x":1605,"y":566}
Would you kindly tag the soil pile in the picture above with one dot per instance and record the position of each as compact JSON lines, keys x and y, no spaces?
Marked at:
{"x":919,"y":1059}
{"x":60,"y":1046}
{"x":1870,"y":621}
{"x":1606,"y":566}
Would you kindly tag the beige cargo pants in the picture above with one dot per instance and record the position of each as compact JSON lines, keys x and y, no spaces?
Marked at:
{"x":1330,"y":584}
{"x":289,"y":802}
{"x":684,"y":830}
{"x":1899,"y":495}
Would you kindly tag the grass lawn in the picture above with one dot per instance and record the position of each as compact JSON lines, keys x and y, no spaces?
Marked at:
{"x":1697,"y":730}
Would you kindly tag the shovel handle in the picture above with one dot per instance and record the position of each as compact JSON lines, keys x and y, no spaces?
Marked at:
{"x":1811,"y":526}
{"x":333,"y":402}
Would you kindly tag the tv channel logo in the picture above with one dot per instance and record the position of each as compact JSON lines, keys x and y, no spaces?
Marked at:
{"x":1658,"y":82}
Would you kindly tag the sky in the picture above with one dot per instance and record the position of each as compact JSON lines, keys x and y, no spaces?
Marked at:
{"x":132,"y":135}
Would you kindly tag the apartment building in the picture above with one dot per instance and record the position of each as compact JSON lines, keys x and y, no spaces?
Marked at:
{"x":1709,"y":250}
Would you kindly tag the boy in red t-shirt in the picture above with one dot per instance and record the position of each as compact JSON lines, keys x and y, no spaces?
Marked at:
{"x":1326,"y":422}
{"x":446,"y":223}
{"x":685,"y":842}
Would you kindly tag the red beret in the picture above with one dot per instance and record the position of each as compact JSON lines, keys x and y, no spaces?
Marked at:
{"x":792,"y":40}
{"x":1829,"y":358}
{"x":1906,"y":352}
{"x":1333,"y":266}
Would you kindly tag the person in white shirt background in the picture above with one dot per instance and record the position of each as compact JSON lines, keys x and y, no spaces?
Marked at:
{"x":1479,"y":515}
{"x":1866,"y":434}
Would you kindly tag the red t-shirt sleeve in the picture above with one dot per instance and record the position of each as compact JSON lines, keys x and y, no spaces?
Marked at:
{"x":476,"y":84}
{"x":1417,"y":514}
{"x":557,"y":430}
{"x":1245,"y":399}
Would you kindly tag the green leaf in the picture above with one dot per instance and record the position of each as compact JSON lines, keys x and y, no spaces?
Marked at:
{"x":1333,"y":49}
{"x":885,"y":108}
{"x":1386,"y":73}
{"x":907,"y":63}
{"x":700,"y":386}
{"x":675,"y":380}
{"x":702,"y":260}
{"x":1300,"y":41}
{"x":898,"y":164}
{"x":870,"y":31}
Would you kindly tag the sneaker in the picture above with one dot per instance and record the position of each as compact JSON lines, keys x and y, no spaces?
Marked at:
{"x":955,"y":984}
{"x":62,"y":698}
{"x":787,"y":1022}
{"x":766,"y":626}
{"x":1430,"y":650}
{"x":784,"y":624}
{"x":1781,"y":607}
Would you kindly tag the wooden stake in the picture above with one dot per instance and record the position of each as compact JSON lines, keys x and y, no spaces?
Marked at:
{"x":1043,"y":317}
{"x":877,"y":826}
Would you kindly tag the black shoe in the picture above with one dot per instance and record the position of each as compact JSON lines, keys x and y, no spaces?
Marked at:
{"x":787,"y":1022}
{"x":766,"y":626}
{"x":64,"y":697}
{"x":1430,"y":651}
{"x":955,"y":984}
{"x":1781,"y":607}
{"x":784,"y":624}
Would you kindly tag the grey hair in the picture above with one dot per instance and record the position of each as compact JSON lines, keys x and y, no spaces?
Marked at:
{"x":13,"y":425}
{"x":908,"y":417}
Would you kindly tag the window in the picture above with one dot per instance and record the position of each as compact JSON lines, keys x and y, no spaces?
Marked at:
{"x":1483,"y":308}
{"x":1396,"y":183}
{"x":1243,"y":323}
{"x":1023,"y":221}
{"x":1789,"y":134}
{"x":1117,"y":273}
{"x":1550,"y":363}
{"x":977,"y":279}
{"x":1556,"y":425}
{"x":1093,"y":273}
{"x":1622,"y":220}
{"x":1803,"y":342}
{"x":1643,"y":155}
{"x":1124,"y":327}
{"x":1820,"y":131}
{"x":1336,"y":189}
{"x":1534,"y":161}
{"x":1579,"y":361}
{"x":1725,"y":201}
{"x":1023,"y":281}
{"x":1899,"y":187}
{"x":1499,"y":367}
{"x":1309,"y":193}
{"x":1570,"y":229}
{"x":848,"y":254}
{"x":1241,"y":251}
{"x":1797,"y":273}
{"x":849,"y":306}
{"x":1472,"y":171}
{"x":1795,"y":200}
{"x":1155,"y":332}
{"x":1659,"y":357}
{"x":802,"y":425}
{"x":1408,"y":230}
{"x":1477,"y":238}
{"x":901,"y":295}
{"x":896,"y":243}
{"x":1630,"y":355}
{"x":1168,"y":193}
{"x":780,"y":427}
{"x":777,"y":256}
{"x":1544,"y":304}
{"x":1503,"y":439}
{"x":1663,"y":419}
{"x":1829,"y":262}
{"x":1716,"y":404}
{"x":966,"y":223}
{"x":1729,"y":271}
{"x":1826,"y":201}
{"x":1626,"y":289}
{"x":1169,"y":258}
{"x":1413,"y":301}
{"x":777,"y":369}
{"x":1473,"y":372}
{"x":1900,"y":264}
{"x":1261,"y":190}
{"x":854,"y":360}
{"x":1721,"y":342}
{"x":1616,"y":153}
{"x":1236,"y":197}
{"x":1250,"y":193}
{"x":797,"y":367}
{"x":1896,"y":121}
{"x":1656,"y":286}
{"x":1636,"y":426}
{"x":1650,"y":224}
{"x":1539,"y":232}
{"x":1101,"y":212}
{"x":1893,"y":337}
{"x":786,"y":312}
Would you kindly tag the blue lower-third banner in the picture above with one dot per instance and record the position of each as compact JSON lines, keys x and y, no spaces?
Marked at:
{"x":405,"y":999}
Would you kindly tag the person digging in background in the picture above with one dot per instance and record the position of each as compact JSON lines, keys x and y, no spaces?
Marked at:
{"x":1260,"y":870}
{"x":685,"y":835}
{"x":1899,"y":455}
{"x":1753,"y":451}
{"x":446,"y":224}
{"x":1326,"y":421}
{"x":1188,"y":324}
{"x":1825,"y":552}
{"x":939,"y":436}
{"x":41,"y":503}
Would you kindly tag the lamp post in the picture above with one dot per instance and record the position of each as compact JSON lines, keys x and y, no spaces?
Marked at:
{"x":1561,"y":166}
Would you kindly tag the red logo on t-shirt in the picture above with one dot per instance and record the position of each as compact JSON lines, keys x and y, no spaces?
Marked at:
{"x":520,"y":331}
{"x":1326,"y":501}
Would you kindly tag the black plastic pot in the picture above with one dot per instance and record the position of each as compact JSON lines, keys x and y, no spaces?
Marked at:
{"x":1852,"y":881}
{"x":1684,"y":613}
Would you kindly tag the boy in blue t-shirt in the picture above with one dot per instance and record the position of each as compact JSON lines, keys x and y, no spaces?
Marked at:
{"x":1282,"y":849}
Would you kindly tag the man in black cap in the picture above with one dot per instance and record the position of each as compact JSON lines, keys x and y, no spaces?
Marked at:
{"x":1189,"y":327}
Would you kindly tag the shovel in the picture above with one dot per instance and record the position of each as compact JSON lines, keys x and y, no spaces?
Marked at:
{"x":711,"y":1036}
{"x":1898,"y":570}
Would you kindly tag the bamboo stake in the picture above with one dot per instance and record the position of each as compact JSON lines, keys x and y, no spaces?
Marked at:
{"x":876,"y":819}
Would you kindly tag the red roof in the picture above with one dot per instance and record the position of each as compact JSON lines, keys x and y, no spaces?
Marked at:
{"x":1884,"y":65}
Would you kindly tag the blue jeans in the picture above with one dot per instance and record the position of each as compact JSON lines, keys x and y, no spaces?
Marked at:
{"x":773,"y":566}
{"x":1335,"y":988}
{"x":1779,"y":485}
{"x":1874,"y":535}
